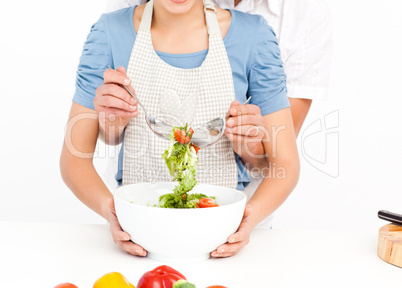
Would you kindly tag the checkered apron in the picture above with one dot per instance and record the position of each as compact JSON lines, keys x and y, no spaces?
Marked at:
{"x":194,"y":95}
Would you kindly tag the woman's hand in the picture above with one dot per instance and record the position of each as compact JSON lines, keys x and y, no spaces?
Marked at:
{"x":121,"y":238}
{"x":114,"y":105}
{"x":238,"y":240}
{"x":245,"y":129}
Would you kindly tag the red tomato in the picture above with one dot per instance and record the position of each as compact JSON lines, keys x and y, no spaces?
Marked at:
{"x":161,"y":277}
{"x":216,"y":286}
{"x":207,"y":202}
{"x":191,"y":131}
{"x":65,"y":285}
{"x":195,"y":148}
{"x":181,"y":136}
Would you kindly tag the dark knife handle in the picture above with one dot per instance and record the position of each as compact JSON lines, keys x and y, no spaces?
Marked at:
{"x":389,"y":216}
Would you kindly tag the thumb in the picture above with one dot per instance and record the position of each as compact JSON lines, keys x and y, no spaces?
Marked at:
{"x":122,"y":70}
{"x":235,"y":103}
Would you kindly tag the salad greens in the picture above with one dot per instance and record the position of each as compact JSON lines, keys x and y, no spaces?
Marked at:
{"x":181,"y":160}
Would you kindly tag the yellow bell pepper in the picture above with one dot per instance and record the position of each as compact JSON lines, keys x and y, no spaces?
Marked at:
{"x":113,"y":280}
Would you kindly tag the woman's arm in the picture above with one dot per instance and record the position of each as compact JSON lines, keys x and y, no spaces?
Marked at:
{"x":281,"y":176}
{"x":76,"y":164}
{"x":79,"y":173}
{"x":299,"y":108}
{"x":241,"y":130}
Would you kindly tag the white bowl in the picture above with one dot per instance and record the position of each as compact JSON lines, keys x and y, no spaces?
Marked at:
{"x":178,"y":235}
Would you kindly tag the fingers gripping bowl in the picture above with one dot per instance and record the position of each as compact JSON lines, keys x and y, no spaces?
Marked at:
{"x":178,"y":235}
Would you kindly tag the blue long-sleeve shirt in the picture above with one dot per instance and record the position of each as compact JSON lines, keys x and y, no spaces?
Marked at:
{"x":250,"y":43}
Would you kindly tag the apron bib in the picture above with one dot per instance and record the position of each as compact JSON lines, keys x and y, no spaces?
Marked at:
{"x":194,"y":95}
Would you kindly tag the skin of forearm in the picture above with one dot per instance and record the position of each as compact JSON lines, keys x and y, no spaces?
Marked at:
{"x":81,"y":177}
{"x":282,"y":173}
{"x":299,"y":109}
{"x":272,"y":192}
{"x":253,"y":156}
{"x":76,"y":161}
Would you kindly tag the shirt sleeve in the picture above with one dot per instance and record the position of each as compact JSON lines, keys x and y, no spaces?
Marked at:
{"x":307,"y":64}
{"x":267,"y":78}
{"x":94,"y":60}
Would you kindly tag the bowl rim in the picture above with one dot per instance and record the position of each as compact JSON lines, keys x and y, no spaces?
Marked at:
{"x":227,"y":206}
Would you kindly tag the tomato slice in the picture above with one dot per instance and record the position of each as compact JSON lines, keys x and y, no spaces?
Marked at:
{"x":207,"y":202}
{"x":191,"y":131}
{"x":181,"y":136}
{"x":195,"y":148}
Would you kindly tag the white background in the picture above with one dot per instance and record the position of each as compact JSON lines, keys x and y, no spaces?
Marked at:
{"x":41,"y":42}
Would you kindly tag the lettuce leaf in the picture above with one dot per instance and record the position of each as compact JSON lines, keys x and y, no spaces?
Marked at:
{"x":181,"y":160}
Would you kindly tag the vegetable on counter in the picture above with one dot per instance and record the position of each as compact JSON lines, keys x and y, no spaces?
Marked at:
{"x":183,"y":284}
{"x":161,"y":277}
{"x":113,"y":280}
{"x":181,"y":160}
{"x":65,"y":285}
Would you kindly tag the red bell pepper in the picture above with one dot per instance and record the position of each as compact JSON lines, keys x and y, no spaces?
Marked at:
{"x":161,"y":277}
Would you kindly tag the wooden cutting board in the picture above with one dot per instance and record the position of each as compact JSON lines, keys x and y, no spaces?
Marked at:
{"x":390,"y":244}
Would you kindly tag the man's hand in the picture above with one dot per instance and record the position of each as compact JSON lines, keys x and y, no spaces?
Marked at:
{"x":121,"y":238}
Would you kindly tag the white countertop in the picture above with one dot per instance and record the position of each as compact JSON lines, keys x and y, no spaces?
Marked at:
{"x":45,"y":254}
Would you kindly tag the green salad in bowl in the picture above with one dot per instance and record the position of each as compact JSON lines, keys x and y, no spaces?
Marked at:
{"x":181,"y":160}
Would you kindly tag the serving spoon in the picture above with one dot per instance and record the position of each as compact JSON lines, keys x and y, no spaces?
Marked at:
{"x":162,"y":128}
{"x":204,"y":135}
{"x":211,"y":132}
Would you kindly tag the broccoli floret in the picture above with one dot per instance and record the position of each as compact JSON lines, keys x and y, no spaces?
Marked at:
{"x":183,"y":284}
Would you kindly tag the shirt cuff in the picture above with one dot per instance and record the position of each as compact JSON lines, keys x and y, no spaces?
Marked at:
{"x":279,"y":106}
{"x":84,"y":100}
{"x":307,"y":92}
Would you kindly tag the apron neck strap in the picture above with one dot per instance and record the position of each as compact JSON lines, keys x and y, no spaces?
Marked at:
{"x":210,"y":17}
{"x":146,"y":19}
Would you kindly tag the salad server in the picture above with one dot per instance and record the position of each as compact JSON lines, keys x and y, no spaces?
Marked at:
{"x":160,"y":127}
{"x":204,"y":135}
{"x":211,"y":132}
